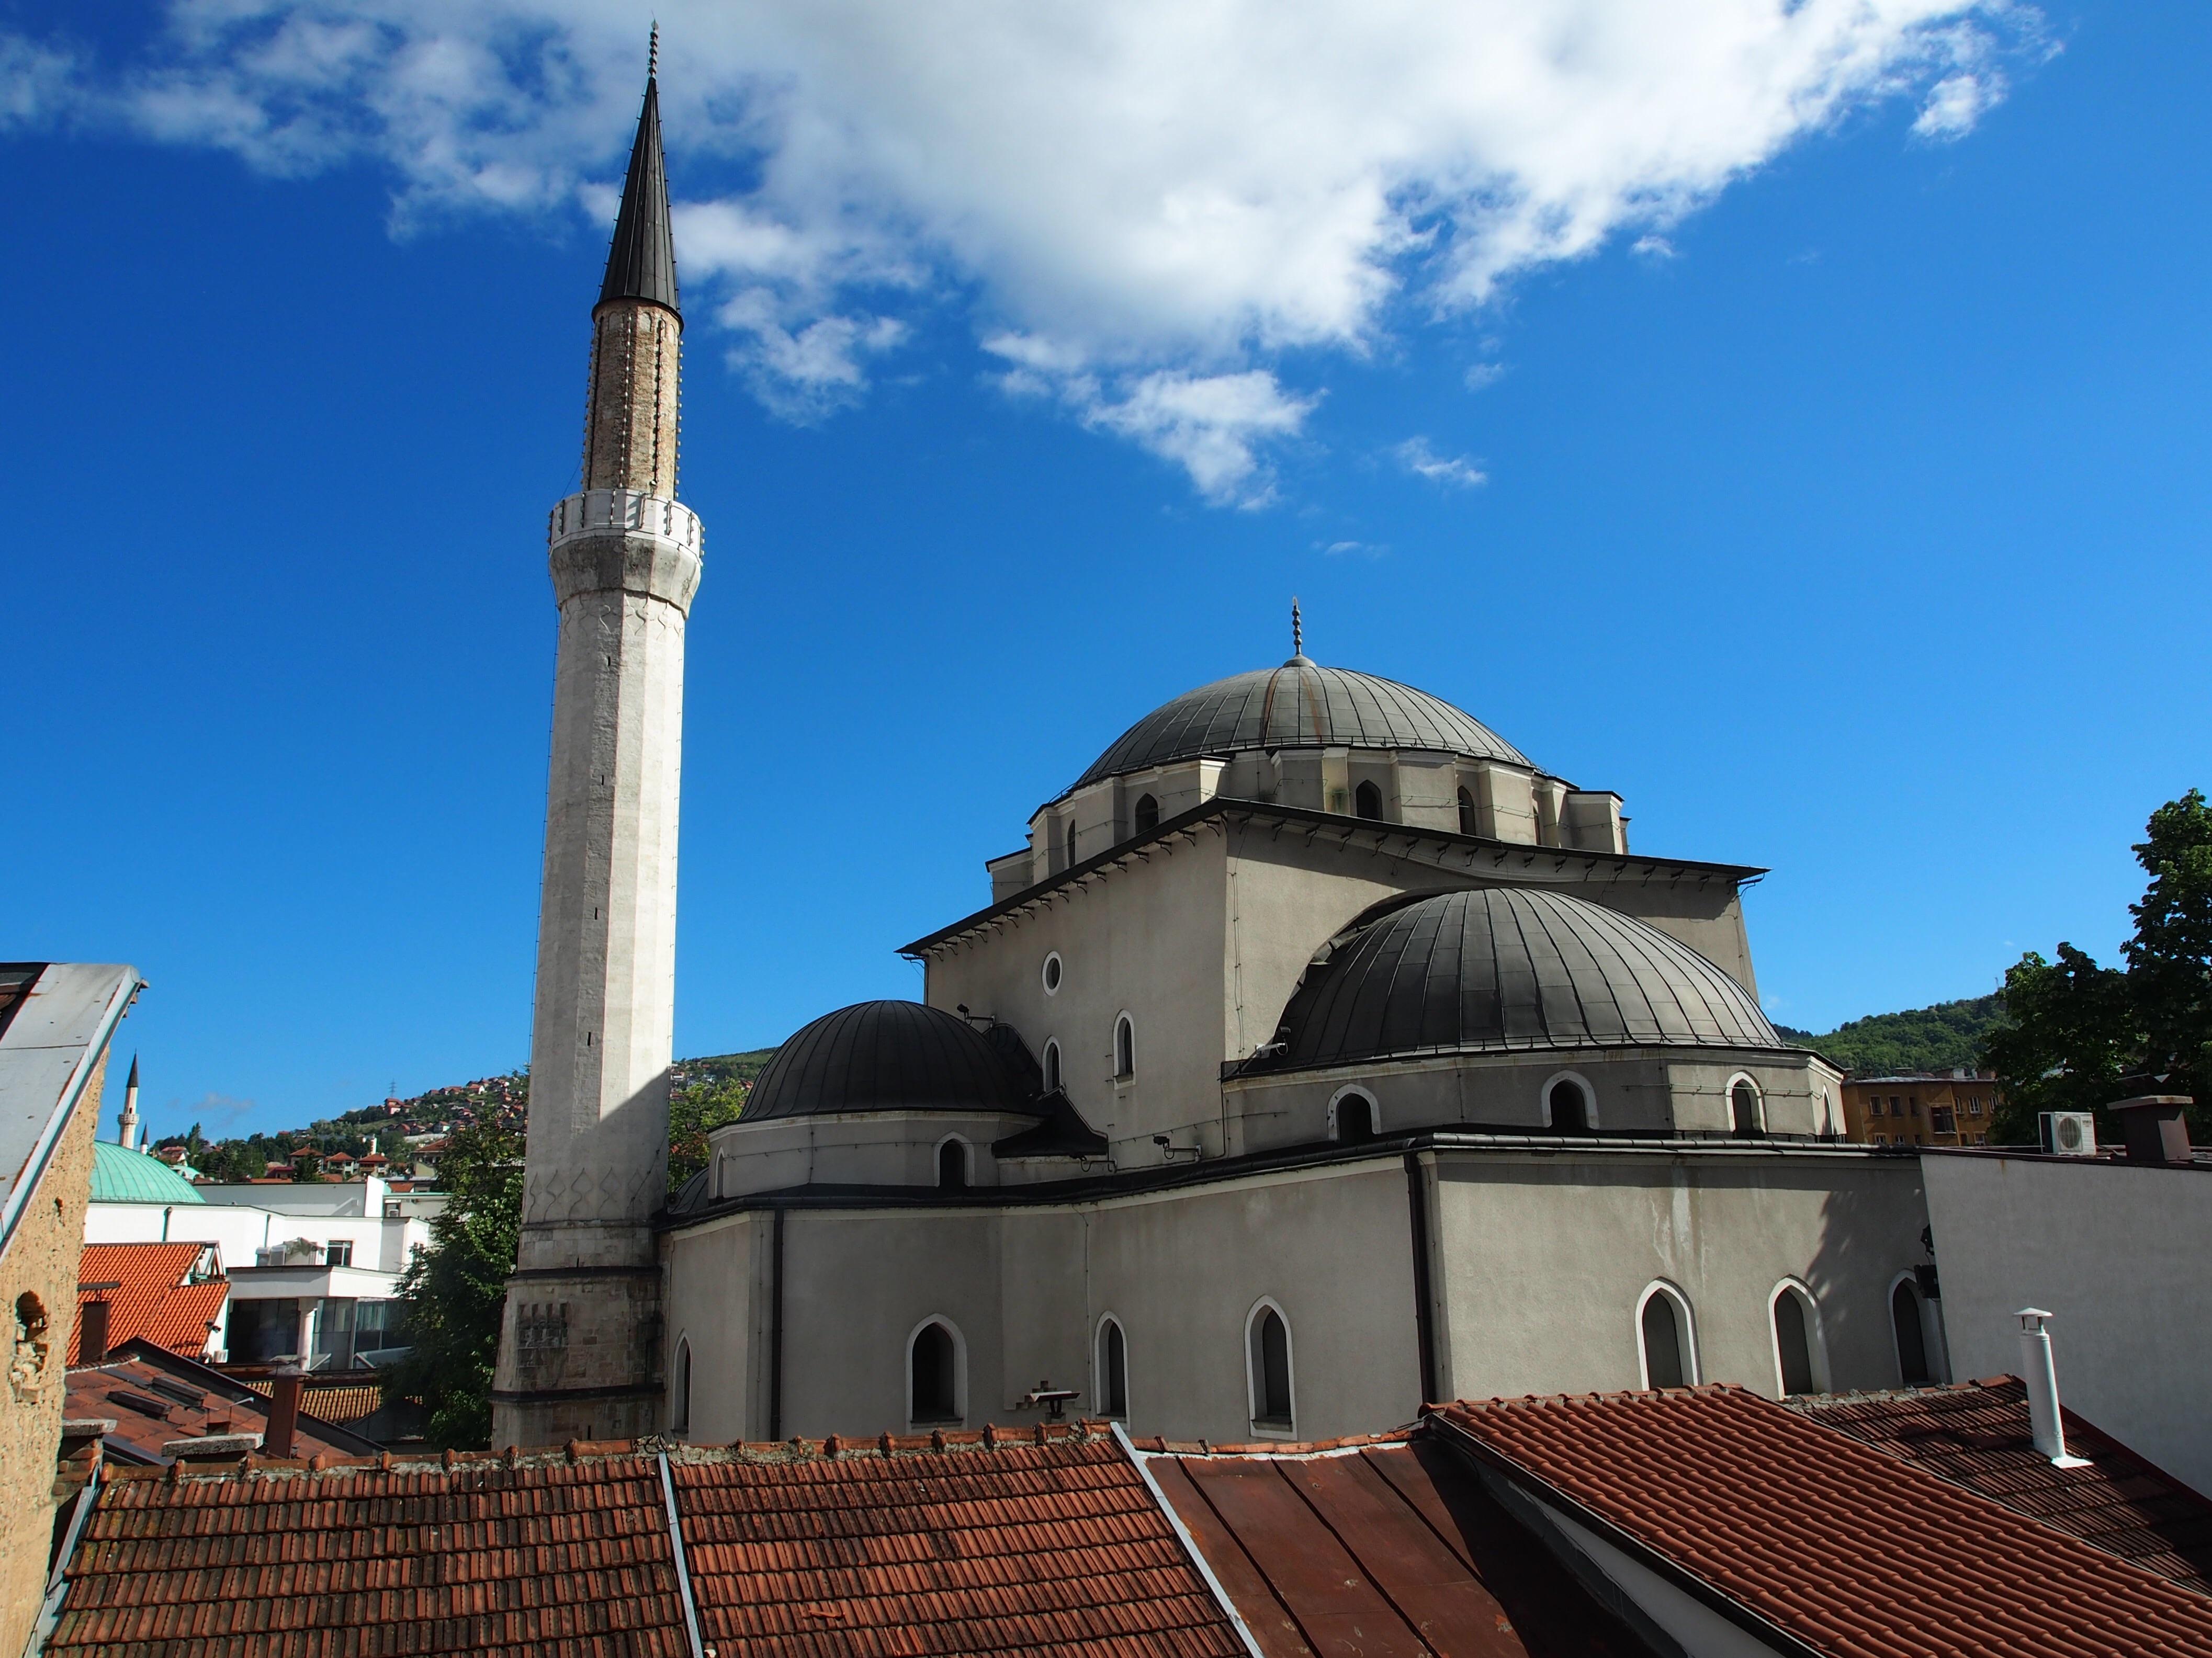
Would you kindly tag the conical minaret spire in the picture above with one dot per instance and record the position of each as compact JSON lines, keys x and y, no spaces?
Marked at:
{"x":637,"y":330}
{"x":126,"y":1134}
{"x":581,"y":1352}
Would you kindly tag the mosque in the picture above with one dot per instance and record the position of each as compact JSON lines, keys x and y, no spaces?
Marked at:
{"x":1317,"y":1053}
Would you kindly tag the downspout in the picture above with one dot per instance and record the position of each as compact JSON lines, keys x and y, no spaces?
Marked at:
{"x":683,"y":1567}
{"x":1417,"y":1209}
{"x":775,"y":1331}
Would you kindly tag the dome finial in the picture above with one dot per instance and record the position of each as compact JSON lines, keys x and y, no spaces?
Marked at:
{"x":652,"y":52}
{"x":1298,"y":630}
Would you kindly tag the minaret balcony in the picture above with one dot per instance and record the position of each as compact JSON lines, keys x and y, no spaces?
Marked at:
{"x":593,"y":511}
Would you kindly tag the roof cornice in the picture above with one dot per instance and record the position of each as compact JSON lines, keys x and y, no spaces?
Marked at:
{"x":1483,"y":856}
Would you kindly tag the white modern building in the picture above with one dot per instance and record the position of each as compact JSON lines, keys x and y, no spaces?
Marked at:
{"x":313,"y":1267}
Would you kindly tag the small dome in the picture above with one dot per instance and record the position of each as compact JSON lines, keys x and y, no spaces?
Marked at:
{"x":886,"y":1056}
{"x":122,"y":1176}
{"x":1300,"y":705}
{"x":1501,"y":969}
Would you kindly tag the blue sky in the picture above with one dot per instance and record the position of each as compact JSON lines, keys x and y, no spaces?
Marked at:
{"x":1830,"y":481}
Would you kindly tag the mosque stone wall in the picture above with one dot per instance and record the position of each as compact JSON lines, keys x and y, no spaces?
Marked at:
{"x":1543,"y":1262}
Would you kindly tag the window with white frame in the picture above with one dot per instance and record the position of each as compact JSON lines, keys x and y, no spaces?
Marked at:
{"x":1746,"y":1114}
{"x":934,"y":1378}
{"x":1267,"y":1359}
{"x":1663,"y":1335}
{"x":1795,"y":1344}
{"x":1125,"y":1047}
{"x":1112,"y":1390}
{"x":1051,"y":1066}
{"x":679,"y":1392}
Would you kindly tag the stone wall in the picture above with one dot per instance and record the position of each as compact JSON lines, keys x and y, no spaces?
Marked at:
{"x":37,"y":1281}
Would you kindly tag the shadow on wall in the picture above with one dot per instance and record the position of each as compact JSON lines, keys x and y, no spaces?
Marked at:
{"x":1868,"y":1234}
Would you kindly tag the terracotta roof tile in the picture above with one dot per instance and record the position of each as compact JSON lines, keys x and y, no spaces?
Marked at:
{"x":1795,"y":1524}
{"x":1020,"y":1547}
{"x":155,"y":1304}
{"x":155,"y":1397}
{"x":1977,"y":1434}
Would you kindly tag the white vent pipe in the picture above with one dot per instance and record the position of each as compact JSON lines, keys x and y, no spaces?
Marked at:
{"x":2041,"y":1376}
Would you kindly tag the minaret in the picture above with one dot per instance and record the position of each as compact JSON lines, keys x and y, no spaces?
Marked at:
{"x":126,"y":1134}
{"x":580,"y":1350}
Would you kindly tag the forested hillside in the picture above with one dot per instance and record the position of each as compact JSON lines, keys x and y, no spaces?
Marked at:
{"x":1944,"y":1037}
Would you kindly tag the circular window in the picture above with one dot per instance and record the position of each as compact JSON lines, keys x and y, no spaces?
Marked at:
{"x":1052,"y":974}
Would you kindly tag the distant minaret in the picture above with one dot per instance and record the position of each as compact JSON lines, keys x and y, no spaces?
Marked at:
{"x":127,"y":1129}
{"x":580,"y":1352}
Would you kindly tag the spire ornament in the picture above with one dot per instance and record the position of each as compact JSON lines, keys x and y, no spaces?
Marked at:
{"x":1299,"y":658}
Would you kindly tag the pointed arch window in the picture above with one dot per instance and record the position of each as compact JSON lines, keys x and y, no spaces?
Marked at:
{"x":952,"y":1165}
{"x":1113,"y":1389}
{"x":1793,"y":1342}
{"x":1467,"y":815}
{"x":1125,"y":1047}
{"x":1568,"y":1106}
{"x":1068,"y":844}
{"x":1355,"y":1119}
{"x":1267,"y":1342}
{"x":679,"y":1393}
{"x":933,"y":1376}
{"x":1051,"y":1065}
{"x":1911,"y":1339}
{"x":1746,"y":1113}
{"x":1663,"y":1333}
{"x":1147,"y":814}
{"x":1367,"y":801}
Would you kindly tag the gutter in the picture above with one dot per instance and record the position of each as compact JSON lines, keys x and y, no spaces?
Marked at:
{"x":49,"y":1610}
{"x":683,"y":1567}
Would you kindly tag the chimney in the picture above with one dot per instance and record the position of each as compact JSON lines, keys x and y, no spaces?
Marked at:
{"x":91,"y":1333}
{"x":2042,"y":1379}
{"x":284,"y":1411}
{"x":2156,"y":1129}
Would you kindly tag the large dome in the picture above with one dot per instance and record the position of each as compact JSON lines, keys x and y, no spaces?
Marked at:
{"x":1505,"y":968}
{"x":122,"y":1176}
{"x":888,"y":1056}
{"x":1300,"y":705}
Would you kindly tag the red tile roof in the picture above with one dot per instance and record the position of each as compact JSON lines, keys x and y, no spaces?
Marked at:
{"x":544,"y":1560}
{"x":155,"y":1304}
{"x":1848,"y":1550}
{"x":345,"y":1403}
{"x":1392,"y":1548}
{"x":1053,"y":1543}
{"x":155,"y":1397}
{"x":1977,"y":1434}
{"x":1052,"y":1546}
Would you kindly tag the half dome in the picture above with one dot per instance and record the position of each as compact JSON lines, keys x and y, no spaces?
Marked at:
{"x":1500,"y":969}
{"x":122,"y":1176}
{"x":887,"y":1056}
{"x":1300,"y":705}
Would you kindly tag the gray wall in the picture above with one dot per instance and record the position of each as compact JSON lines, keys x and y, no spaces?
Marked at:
{"x":2121,"y":1256}
{"x":1543,"y":1261}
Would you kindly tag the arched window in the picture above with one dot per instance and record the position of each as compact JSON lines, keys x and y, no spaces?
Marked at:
{"x":1125,"y":1047}
{"x":1148,"y":814}
{"x":1793,"y":1342}
{"x":679,"y":1392}
{"x":952,"y":1165}
{"x":1068,"y":844}
{"x":1467,"y":818}
{"x":1748,"y":1119}
{"x":1355,"y":1119}
{"x":1367,"y":801}
{"x":1911,"y":1343}
{"x":1267,"y":1341}
{"x":1669,"y":1361}
{"x":1113,"y":1389}
{"x":1570,"y":1107}
{"x":1051,"y":1066}
{"x":933,"y":1377}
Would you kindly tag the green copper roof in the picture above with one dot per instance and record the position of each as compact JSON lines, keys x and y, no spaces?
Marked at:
{"x":120,"y":1176}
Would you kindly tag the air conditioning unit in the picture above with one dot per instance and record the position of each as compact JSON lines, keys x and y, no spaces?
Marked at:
{"x":2069,"y":1133}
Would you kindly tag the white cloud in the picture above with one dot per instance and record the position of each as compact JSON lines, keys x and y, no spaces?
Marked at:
{"x":1165,"y":195}
{"x":1353,"y":549}
{"x":1482,"y":375}
{"x":1454,"y":472}
{"x":1653,"y":245}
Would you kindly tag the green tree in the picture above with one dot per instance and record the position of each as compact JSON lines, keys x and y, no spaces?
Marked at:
{"x":307,"y":1164}
{"x":693,"y":1112}
{"x":455,"y":1291}
{"x":235,"y":1160}
{"x":2170,"y":957}
{"x":2077,"y":1036}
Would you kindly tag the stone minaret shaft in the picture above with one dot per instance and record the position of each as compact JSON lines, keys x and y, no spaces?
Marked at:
{"x":580,"y":1349}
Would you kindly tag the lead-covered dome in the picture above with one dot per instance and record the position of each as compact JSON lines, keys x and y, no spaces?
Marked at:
{"x":1300,"y":705}
{"x":1501,"y":969}
{"x":887,"y":1056}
